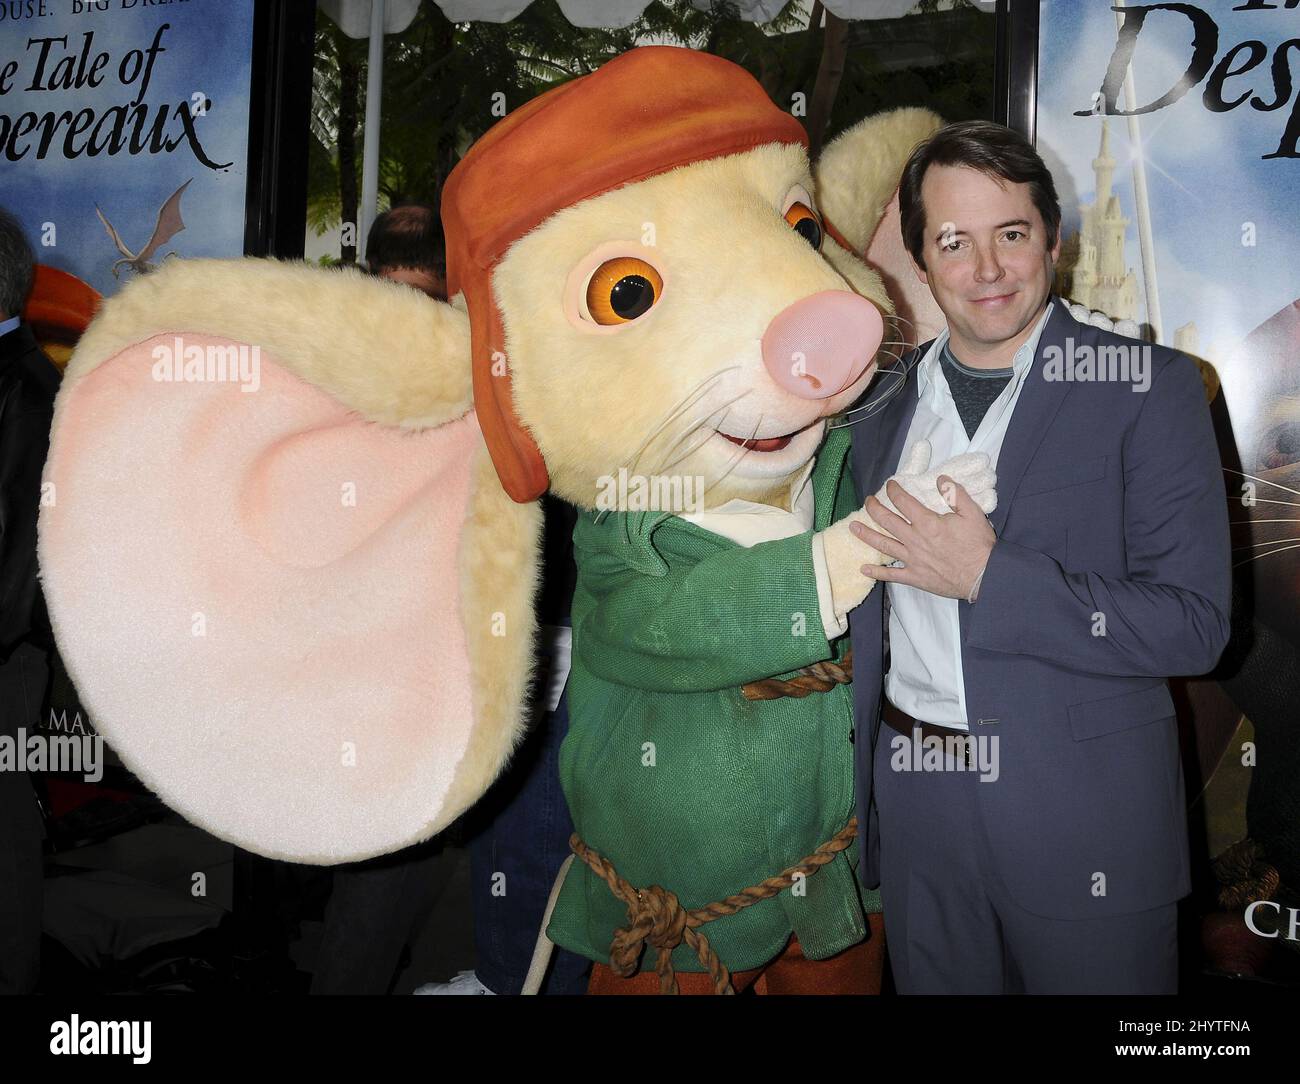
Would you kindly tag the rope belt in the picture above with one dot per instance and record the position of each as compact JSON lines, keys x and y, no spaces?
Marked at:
{"x":820,"y":677}
{"x":655,"y":916}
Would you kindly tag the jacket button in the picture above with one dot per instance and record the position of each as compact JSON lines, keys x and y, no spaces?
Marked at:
{"x":850,"y":735}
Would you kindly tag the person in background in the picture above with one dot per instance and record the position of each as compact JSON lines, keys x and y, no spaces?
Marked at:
{"x":375,"y":907}
{"x":28,"y":383}
{"x":405,"y":244}
{"x":519,"y":831}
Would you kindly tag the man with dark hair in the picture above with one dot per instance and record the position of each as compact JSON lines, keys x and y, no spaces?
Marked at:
{"x":405,"y":244}
{"x":991,"y":149}
{"x":1028,"y":829}
{"x":28,"y":382}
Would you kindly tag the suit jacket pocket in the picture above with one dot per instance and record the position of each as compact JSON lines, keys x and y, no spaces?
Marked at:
{"x":1093,"y":718}
{"x":1071,"y":473}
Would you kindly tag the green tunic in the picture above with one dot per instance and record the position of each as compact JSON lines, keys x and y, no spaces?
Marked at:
{"x":669,"y":772}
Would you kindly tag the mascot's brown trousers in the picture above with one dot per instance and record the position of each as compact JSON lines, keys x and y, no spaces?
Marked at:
{"x":856,"y":970}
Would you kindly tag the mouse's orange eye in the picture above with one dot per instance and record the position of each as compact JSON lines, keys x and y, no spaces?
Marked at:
{"x":806,"y":224}
{"x":622,"y":289}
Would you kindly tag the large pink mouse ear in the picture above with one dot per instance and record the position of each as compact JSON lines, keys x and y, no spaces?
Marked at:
{"x":857,"y":178}
{"x":281,"y":571}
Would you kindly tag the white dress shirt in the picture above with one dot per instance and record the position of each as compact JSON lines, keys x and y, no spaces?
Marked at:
{"x":925,"y":678}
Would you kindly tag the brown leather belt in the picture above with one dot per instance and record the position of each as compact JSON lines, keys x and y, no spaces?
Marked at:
{"x":904,"y":724}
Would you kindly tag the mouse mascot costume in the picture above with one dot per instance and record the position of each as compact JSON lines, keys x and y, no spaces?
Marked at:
{"x":291,"y":533}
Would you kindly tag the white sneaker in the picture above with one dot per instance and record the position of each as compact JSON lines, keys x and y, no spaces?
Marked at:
{"x":465,"y":982}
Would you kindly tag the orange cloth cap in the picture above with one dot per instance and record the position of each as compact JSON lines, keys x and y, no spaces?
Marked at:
{"x":646,"y":112}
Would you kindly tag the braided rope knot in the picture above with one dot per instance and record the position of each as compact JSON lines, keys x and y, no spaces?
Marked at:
{"x":656,"y":917}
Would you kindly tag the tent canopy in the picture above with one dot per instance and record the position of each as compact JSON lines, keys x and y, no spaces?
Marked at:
{"x":354,"y":15}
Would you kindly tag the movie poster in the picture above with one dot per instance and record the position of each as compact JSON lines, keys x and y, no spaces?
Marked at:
{"x":123,"y":143}
{"x":1172,"y":131}
{"x":124,"y":132}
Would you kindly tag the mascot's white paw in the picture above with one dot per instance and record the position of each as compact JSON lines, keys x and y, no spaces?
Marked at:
{"x":845,"y":553}
{"x":970,"y":470}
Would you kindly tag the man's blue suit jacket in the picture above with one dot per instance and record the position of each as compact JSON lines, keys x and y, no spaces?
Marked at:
{"x":1110,"y":502}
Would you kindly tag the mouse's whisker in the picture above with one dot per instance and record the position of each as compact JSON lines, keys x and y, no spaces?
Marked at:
{"x":743,"y":452}
{"x":902,"y":329}
{"x":1256,"y":478}
{"x":1270,"y":542}
{"x":692,"y":429}
{"x":698,"y":444}
{"x":1270,"y":553}
{"x":879,"y":398}
{"x":873,"y":406}
{"x":685,"y":403}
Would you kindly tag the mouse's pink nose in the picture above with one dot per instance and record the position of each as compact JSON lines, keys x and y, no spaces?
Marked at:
{"x":821,"y":344}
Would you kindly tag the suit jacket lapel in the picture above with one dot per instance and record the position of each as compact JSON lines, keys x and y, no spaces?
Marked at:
{"x":1040,"y":400}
